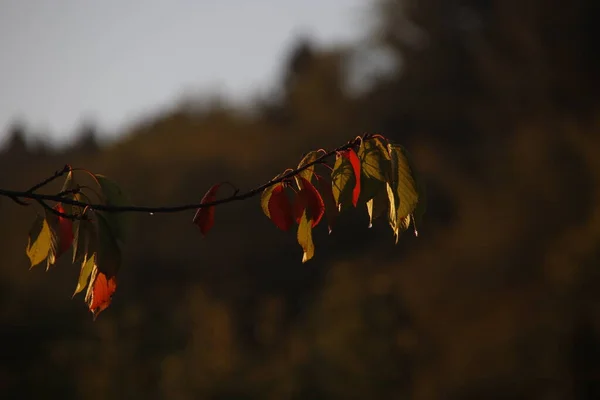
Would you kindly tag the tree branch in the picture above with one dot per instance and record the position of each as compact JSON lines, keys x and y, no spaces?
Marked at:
{"x":60,"y":197}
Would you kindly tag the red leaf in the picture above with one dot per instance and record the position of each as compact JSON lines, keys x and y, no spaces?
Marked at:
{"x":65,"y":231}
{"x":102,"y":290}
{"x":312,"y":200}
{"x":205,"y":216}
{"x":353,"y":158}
{"x":280,"y":208}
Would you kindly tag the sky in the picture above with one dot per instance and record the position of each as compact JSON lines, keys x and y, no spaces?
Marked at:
{"x":113,"y":61}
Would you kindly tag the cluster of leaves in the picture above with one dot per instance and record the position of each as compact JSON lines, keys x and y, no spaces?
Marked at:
{"x":96,"y":237}
{"x":368,"y":171}
{"x":371,"y":171}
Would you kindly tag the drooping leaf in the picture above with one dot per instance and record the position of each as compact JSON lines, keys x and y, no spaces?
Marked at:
{"x":84,"y":234}
{"x":375,"y":160}
{"x":65,"y":231}
{"x":205,"y":216}
{"x":280,"y":208}
{"x":70,"y":185}
{"x":355,"y":162}
{"x":108,"y":254}
{"x":375,"y":167}
{"x":392,"y":207}
{"x":331,"y":211}
{"x":404,"y":182}
{"x":87,"y":265}
{"x":103,"y":281}
{"x":305,"y":238}
{"x":313,"y":201}
{"x":308,"y":172}
{"x":377,"y":206}
{"x":61,"y":234}
{"x":100,"y":291}
{"x":39,"y":241}
{"x":114,"y":196}
{"x":345,"y":178}
{"x":266,"y":196}
{"x":406,"y":195}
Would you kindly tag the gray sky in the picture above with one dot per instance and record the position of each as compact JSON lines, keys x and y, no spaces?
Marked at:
{"x":114,"y":60}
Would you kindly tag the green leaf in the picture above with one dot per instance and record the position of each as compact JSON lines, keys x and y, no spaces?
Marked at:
{"x":305,"y":238}
{"x":308,"y":172}
{"x":114,"y":196}
{"x":84,"y":238}
{"x":375,"y":169}
{"x":52,"y":220}
{"x":108,"y":256}
{"x":39,"y":242}
{"x":377,"y":206}
{"x":343,"y":181}
{"x":375,"y":160}
{"x":86,"y":270}
{"x":404,"y":188}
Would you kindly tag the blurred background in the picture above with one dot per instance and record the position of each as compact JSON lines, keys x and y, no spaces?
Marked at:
{"x":495,"y":99}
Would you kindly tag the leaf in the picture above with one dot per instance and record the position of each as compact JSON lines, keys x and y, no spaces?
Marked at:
{"x":279,"y":208}
{"x":114,"y":196}
{"x":70,"y":184}
{"x":351,"y":155}
{"x":406,"y":195}
{"x":404,"y":182}
{"x":377,"y":206}
{"x":205,"y":216}
{"x":61,"y":235}
{"x":312,"y":200}
{"x":87,"y":266}
{"x":331,"y":211}
{"x":65,"y":232}
{"x":345,"y":178}
{"x":305,"y":238}
{"x":375,"y":160}
{"x":100,"y":291}
{"x":108,"y":255}
{"x":375,"y":168}
{"x":392,"y":219}
{"x":39,"y":241}
{"x":103,"y":281}
{"x":266,"y":196}
{"x":85,"y":237}
{"x":308,"y":172}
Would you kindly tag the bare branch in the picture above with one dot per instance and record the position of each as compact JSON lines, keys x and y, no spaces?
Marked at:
{"x":236,"y":196}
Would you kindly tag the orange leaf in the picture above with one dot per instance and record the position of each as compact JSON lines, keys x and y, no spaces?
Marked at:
{"x":65,"y":231}
{"x":280,"y":209}
{"x":101,"y":294}
{"x":205,"y":216}
{"x":353,"y":158}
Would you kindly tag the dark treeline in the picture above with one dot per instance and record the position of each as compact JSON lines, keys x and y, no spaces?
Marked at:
{"x":497,"y":298}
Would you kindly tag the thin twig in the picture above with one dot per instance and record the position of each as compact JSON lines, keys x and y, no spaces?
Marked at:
{"x":57,"y":174}
{"x":42,"y":198}
{"x":56,"y":212}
